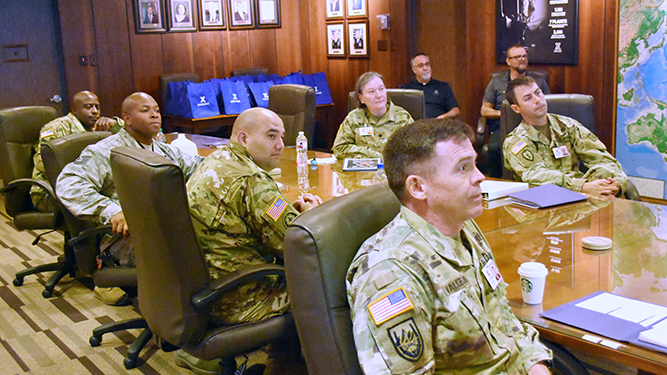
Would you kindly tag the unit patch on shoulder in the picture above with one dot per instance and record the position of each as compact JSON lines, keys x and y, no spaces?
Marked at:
{"x":289,"y":218}
{"x":390,"y":305}
{"x":528,"y":155}
{"x":407,"y":340}
{"x":519,"y":146}
{"x":277,"y":208}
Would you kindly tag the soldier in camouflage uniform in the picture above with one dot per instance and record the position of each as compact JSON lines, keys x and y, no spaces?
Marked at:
{"x":85,"y":116}
{"x":365,"y":130}
{"x":425,"y":293}
{"x":241,"y":217}
{"x":86,"y":186}
{"x":546,"y":148}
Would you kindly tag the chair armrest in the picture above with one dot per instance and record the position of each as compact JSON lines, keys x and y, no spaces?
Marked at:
{"x":216,"y":288}
{"x":480,"y":135}
{"x":104,"y":229}
{"x":632,"y":193}
{"x":481,"y":126}
{"x":30,"y":182}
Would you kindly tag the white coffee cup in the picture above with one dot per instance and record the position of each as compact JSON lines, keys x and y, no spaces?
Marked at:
{"x":533,"y":276}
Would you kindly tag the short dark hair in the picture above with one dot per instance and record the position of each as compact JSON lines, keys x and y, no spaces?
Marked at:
{"x":510,"y":95}
{"x":412,"y":60}
{"x":413,"y":145}
{"x":516,"y":45}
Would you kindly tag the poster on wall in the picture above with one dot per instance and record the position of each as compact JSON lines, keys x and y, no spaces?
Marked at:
{"x":357,"y":33}
{"x":181,"y":16}
{"x":148,"y":15}
{"x":548,"y":28}
{"x":335,"y":39}
{"x":211,"y":15}
{"x":641,"y":107}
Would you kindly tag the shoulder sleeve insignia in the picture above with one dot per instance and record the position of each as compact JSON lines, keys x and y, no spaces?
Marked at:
{"x":519,"y":146}
{"x":289,"y":218}
{"x":277,"y":208}
{"x":407,"y":340}
{"x":528,"y":155}
{"x":390,"y":305}
{"x":47,"y":133}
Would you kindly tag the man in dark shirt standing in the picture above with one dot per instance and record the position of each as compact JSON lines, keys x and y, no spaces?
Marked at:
{"x":440,"y":100}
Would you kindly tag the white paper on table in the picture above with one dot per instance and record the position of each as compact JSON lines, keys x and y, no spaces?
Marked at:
{"x":625,"y":308}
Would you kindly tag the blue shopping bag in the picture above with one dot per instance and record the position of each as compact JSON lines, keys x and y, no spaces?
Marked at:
{"x":268,"y":77}
{"x":246,"y":78}
{"x":176,"y":100}
{"x":318,"y":81}
{"x":295,"y":78}
{"x":260,"y":93}
{"x":202,"y":100}
{"x":235,"y":96}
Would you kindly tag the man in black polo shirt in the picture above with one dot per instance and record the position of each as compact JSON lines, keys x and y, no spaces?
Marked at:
{"x":440,"y":100}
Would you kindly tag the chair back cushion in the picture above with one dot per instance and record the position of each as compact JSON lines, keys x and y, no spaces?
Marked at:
{"x":19,"y":132}
{"x":319,"y":247}
{"x":56,"y":154}
{"x":176,"y":77}
{"x":249,"y":72}
{"x":411,"y":100}
{"x":296,"y":105}
{"x":170,"y":264}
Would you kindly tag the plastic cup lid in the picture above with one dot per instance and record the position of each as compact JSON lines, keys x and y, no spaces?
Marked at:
{"x":532,"y":269}
{"x":596,"y":243}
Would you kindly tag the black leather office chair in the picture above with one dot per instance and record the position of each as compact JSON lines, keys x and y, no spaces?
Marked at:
{"x":319,"y":247}
{"x":85,"y":241}
{"x":250,"y":71}
{"x":411,"y":100}
{"x":577,"y":106}
{"x":176,"y":293}
{"x":295,"y":105}
{"x":19,"y":132}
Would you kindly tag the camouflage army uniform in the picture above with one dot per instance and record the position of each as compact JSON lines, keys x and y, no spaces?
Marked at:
{"x":57,"y":128}
{"x":530,"y":157}
{"x":440,"y":313}
{"x":350,"y":143}
{"x":240,"y":218}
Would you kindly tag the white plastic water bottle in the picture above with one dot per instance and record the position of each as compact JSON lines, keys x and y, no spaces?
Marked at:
{"x":185,"y":145}
{"x":380,"y":177}
{"x":302,"y":178}
{"x":301,"y":149}
{"x":160,"y":137}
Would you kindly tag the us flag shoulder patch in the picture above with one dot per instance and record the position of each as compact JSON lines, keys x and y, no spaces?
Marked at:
{"x":390,"y":305}
{"x":277,"y":208}
{"x":519,"y":146}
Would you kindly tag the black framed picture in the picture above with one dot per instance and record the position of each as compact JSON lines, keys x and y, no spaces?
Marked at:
{"x":336,"y":39}
{"x":149,"y":16}
{"x":241,"y":14}
{"x":357,"y":8}
{"x":335,"y":9}
{"x":357,"y":35}
{"x":268,"y":13}
{"x":548,"y":29}
{"x":211,"y":15}
{"x":181,"y":16}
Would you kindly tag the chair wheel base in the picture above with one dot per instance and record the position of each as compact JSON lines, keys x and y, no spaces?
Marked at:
{"x":18,"y":281}
{"x":47,"y":293}
{"x":130,"y":363}
{"x":95,"y":341}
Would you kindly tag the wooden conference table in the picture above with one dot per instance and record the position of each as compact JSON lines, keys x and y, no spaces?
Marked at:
{"x":636,"y":267}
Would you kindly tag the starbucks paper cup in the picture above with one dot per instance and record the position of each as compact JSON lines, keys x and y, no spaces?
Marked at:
{"x":533,"y":276}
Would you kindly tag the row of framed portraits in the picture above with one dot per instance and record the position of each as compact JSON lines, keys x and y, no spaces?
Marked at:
{"x":157,"y":16}
{"x":347,"y":38}
{"x":352,"y":8}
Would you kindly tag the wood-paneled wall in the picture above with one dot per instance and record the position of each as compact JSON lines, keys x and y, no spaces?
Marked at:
{"x":458,"y":35}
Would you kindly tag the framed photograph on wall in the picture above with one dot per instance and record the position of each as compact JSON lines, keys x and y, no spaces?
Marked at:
{"x":357,"y":36}
{"x":181,"y":16}
{"x":335,"y":9}
{"x":149,"y":16}
{"x":357,"y":8}
{"x":241,"y":14}
{"x":211,"y":15}
{"x":336,"y":39}
{"x":268,"y":13}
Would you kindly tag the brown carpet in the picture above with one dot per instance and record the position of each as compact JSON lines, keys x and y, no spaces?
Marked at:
{"x":50,"y":336}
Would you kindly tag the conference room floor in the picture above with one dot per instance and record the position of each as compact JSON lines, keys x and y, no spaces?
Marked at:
{"x":50,"y":336}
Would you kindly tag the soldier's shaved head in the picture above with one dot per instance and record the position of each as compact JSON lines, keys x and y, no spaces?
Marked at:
{"x":249,"y":120}
{"x":261,"y":132}
{"x":86,"y":108}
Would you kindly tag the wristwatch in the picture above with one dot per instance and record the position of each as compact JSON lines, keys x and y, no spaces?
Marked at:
{"x":547,"y":362}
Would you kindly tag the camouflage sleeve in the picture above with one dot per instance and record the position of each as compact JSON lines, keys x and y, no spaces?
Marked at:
{"x":391,"y":317}
{"x":81,"y":184}
{"x":528,"y":164}
{"x":269,"y":212}
{"x":345,"y":145}
{"x":595,"y":157}
{"x":118,"y":125}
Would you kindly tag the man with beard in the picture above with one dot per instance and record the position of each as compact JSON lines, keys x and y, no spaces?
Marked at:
{"x":440,"y":100}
